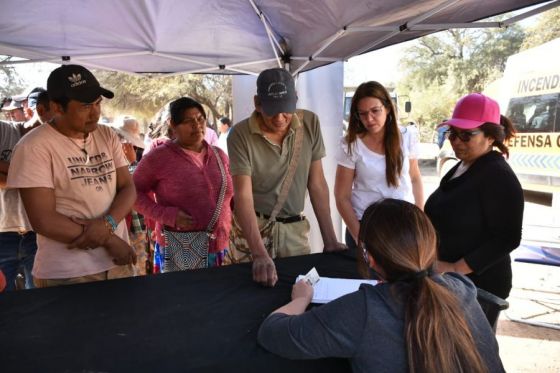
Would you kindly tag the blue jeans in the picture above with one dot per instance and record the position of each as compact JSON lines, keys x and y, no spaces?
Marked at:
{"x":17,"y":250}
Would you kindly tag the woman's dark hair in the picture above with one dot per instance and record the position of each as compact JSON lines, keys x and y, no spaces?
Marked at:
{"x":500,"y":133}
{"x":402,"y":241}
{"x":177,"y":109}
{"x":392,"y":135}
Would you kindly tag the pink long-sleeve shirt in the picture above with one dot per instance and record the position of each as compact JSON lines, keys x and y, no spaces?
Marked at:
{"x":179,"y":184}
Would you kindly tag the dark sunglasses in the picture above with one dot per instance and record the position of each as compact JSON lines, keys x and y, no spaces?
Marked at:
{"x":464,"y":136}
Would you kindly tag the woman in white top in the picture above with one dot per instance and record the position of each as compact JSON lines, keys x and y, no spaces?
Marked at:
{"x":376,"y":159}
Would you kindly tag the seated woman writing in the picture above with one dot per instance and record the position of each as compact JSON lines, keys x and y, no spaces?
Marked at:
{"x":413,"y":321}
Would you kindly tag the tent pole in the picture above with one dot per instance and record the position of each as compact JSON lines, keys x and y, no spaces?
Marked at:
{"x":530,"y":13}
{"x":268,"y":30}
{"x":325,"y":45}
{"x":413,"y":22}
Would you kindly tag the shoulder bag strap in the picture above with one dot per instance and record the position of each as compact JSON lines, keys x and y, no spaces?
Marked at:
{"x":287,"y":182}
{"x":222,"y":195}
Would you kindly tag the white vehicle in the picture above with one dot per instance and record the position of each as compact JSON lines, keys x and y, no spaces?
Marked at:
{"x":529,"y":94}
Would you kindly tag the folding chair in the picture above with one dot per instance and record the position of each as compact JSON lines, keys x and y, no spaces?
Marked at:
{"x":543,"y":256}
{"x":491,"y":305}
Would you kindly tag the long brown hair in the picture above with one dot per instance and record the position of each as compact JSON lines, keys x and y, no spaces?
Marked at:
{"x":402,"y":240}
{"x":500,"y":133}
{"x":392,"y":135}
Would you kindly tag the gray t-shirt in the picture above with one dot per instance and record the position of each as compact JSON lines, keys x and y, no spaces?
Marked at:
{"x":12,"y":213}
{"x":367,"y":327}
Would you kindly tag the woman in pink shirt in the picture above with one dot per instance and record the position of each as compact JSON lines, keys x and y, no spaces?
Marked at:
{"x":184,"y":175}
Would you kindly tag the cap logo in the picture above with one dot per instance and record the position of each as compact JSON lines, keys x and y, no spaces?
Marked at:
{"x":76,"y":80}
{"x":276,"y":90}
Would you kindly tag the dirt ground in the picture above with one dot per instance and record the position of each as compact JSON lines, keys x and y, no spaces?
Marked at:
{"x":535,"y":296}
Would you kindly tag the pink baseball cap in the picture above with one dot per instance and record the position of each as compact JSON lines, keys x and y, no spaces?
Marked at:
{"x":474,"y":110}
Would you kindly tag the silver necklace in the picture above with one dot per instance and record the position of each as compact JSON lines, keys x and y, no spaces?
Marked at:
{"x":82,"y":148}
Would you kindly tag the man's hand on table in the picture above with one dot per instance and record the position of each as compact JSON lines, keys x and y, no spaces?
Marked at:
{"x":334,"y":246}
{"x":264,"y":270}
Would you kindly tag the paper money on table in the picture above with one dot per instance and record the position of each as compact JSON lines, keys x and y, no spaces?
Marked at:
{"x":312,"y":277}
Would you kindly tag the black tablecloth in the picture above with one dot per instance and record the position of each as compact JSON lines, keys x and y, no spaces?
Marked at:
{"x":204,"y":320}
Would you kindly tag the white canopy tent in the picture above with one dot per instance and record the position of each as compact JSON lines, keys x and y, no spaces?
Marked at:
{"x":227,"y":36}
{"x":164,"y":37}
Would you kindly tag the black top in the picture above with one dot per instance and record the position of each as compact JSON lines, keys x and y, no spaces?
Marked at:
{"x":478,"y":217}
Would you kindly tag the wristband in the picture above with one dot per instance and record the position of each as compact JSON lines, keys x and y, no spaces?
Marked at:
{"x":110,"y":223}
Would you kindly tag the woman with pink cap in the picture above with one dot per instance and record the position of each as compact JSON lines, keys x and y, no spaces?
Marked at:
{"x":478,"y":208}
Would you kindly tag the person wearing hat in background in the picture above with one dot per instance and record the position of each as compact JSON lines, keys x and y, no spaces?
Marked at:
{"x":128,"y":130}
{"x":18,"y":242}
{"x":37,"y":108}
{"x":478,"y":208}
{"x":260,"y":148}
{"x":75,"y":184}
{"x":14,"y":109}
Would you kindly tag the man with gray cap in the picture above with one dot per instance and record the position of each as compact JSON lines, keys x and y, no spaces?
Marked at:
{"x":74,"y":182}
{"x":260,"y":149}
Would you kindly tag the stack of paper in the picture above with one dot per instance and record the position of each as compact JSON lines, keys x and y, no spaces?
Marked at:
{"x":327,"y":289}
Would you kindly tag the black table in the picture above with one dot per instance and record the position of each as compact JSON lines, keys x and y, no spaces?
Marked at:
{"x":199,"y":321}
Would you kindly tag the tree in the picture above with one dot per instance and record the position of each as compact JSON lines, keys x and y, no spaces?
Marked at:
{"x":143,"y":96}
{"x":10,"y":82}
{"x":546,"y":28}
{"x":441,"y":68}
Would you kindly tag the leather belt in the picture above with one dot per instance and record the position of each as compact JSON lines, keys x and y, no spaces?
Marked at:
{"x":288,"y":220}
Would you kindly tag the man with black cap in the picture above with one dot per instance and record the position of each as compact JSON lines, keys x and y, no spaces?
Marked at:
{"x":74,"y":182}
{"x":260,"y":149}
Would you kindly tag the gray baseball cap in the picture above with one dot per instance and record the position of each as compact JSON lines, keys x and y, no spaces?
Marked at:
{"x":276,"y":91}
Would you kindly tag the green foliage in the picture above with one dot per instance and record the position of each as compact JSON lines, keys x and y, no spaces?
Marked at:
{"x":441,"y":68}
{"x":547,"y":28}
{"x":143,"y":96}
{"x":10,"y":82}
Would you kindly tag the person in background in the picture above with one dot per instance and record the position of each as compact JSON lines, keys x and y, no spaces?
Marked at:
{"x":260,"y":148}
{"x":224,"y":126}
{"x":13,"y":109}
{"x":185,"y":177}
{"x":37,"y":109}
{"x":40,"y":103}
{"x":477,"y":209}
{"x":30,"y":103}
{"x":128,"y":130}
{"x":210,"y":136}
{"x":413,"y":320}
{"x":18,"y":242}
{"x":376,"y":159}
{"x":75,"y":185}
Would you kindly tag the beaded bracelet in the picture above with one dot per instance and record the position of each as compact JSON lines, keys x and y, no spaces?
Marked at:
{"x":110,"y":223}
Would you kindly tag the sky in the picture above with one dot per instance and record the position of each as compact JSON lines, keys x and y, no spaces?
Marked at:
{"x":381,"y":65}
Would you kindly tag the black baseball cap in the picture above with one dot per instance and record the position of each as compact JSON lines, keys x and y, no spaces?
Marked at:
{"x":75,"y":82}
{"x":277,"y":91}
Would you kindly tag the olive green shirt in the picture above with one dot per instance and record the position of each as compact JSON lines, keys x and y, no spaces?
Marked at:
{"x":252,"y":154}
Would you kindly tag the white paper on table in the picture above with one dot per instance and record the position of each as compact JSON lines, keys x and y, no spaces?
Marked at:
{"x":328,"y":289}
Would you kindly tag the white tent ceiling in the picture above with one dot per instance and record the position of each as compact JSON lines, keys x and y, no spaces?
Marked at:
{"x":225,"y":36}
